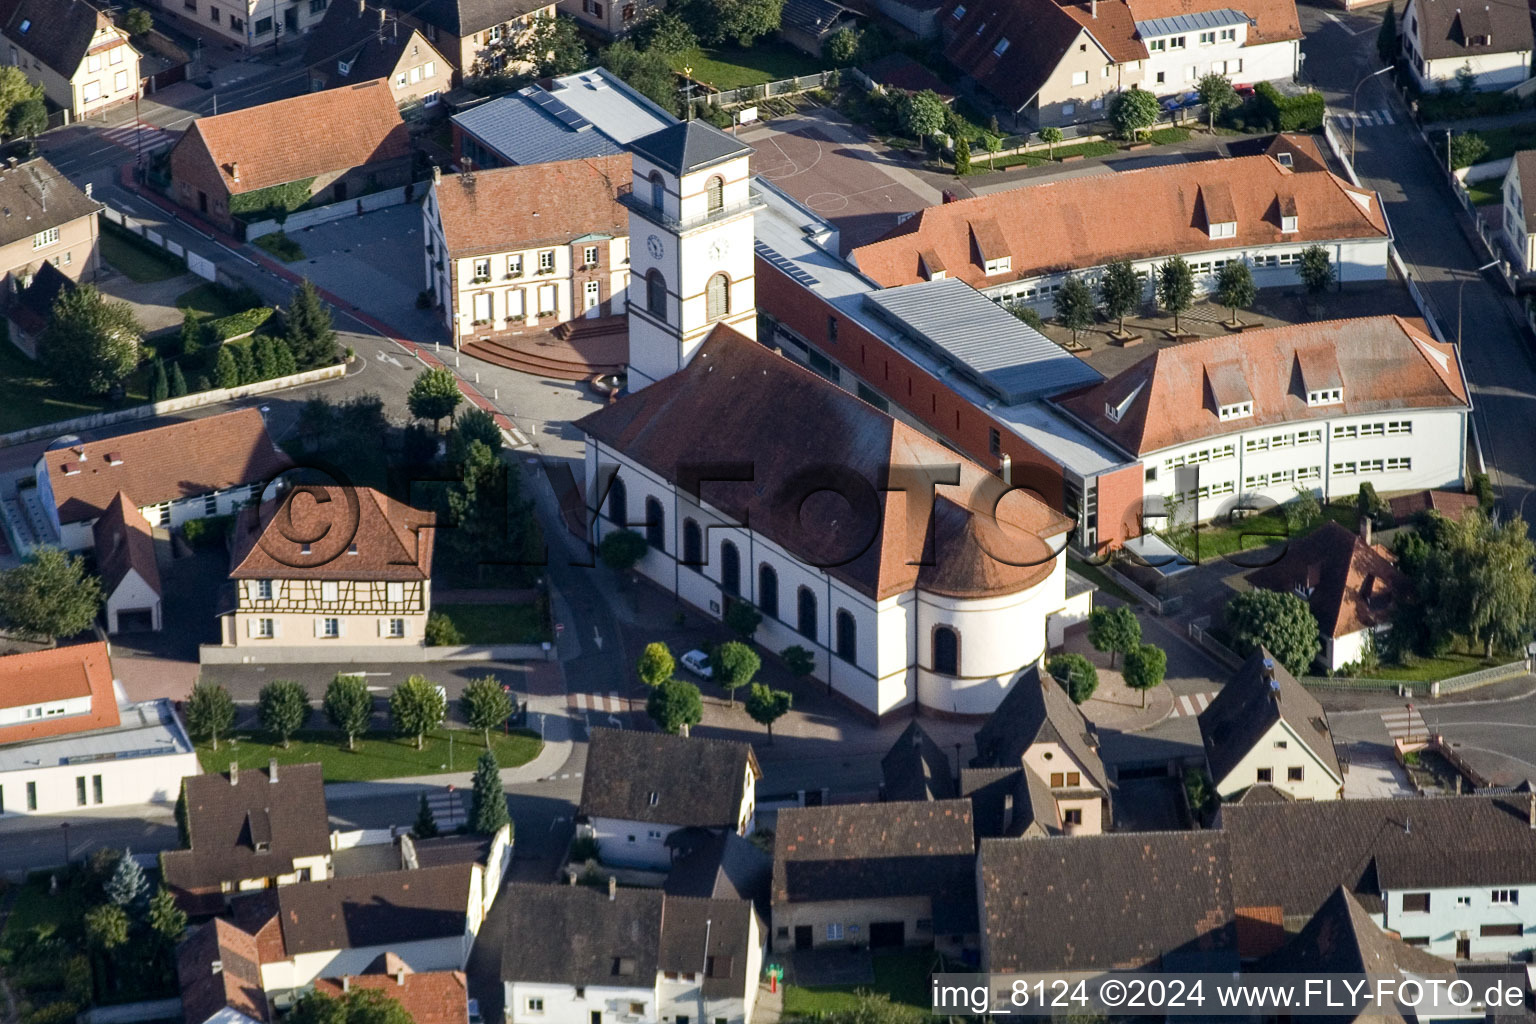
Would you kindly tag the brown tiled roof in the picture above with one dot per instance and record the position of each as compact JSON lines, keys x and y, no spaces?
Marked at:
{"x":1037,"y":710}
{"x":712,"y":937}
{"x":124,"y":541}
{"x":1060,"y":225}
{"x":1349,"y":584}
{"x":59,"y":673}
{"x":1453,"y":29}
{"x":916,"y":768}
{"x":289,"y":140}
{"x":1245,"y":709}
{"x":735,"y":392}
{"x":1385,"y":364}
{"x":1112,"y":25}
{"x":37,"y":196}
{"x":872,"y":851}
{"x":533,"y":204}
{"x":1013,"y":802}
{"x":1294,"y":855}
{"x":1269,"y":21}
{"x":225,"y":820}
{"x":1451,"y":504}
{"x":382,"y":909}
{"x":60,"y":31}
{"x":1342,"y":938}
{"x":430,"y":997}
{"x":665,"y":780}
{"x":1126,"y":900}
{"x":585,"y":936}
{"x":1038,"y":32}
{"x":362,"y":535}
{"x":218,"y":968}
{"x":180,"y":460}
{"x":1303,"y":150}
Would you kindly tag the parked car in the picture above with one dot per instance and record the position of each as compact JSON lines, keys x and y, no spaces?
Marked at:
{"x":474,"y":1012}
{"x":1244,"y":90}
{"x":697,"y":662}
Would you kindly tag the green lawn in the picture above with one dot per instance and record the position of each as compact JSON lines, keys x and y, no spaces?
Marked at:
{"x":208,"y":301}
{"x":497,"y":623}
{"x":377,"y":756}
{"x":901,"y":975}
{"x":137,"y":259}
{"x":1096,"y":576}
{"x":1430,"y":670}
{"x":730,"y":67}
{"x":281,"y":246}
{"x":34,"y":908}
{"x":1255,"y":532}
{"x":1486,"y":193}
{"x":28,"y":398}
{"x":1039,"y":157}
{"x":1503,"y":142}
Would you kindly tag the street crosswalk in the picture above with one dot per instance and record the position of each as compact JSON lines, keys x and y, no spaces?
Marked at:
{"x":608,"y":704}
{"x":1364,"y":118}
{"x":1405,"y":724}
{"x":1190,"y":704}
{"x":134,"y":134}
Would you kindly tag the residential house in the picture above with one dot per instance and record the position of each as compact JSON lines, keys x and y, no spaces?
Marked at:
{"x":1054,"y":62}
{"x":1010,"y":802}
{"x":465,"y":31}
{"x":1020,"y":245}
{"x":611,"y":19}
{"x":1519,"y":221}
{"x":1263,"y":727}
{"x":51,"y":221}
{"x":640,"y":788}
{"x":327,"y":145}
{"x":357,"y":43}
{"x":878,"y":875}
{"x":629,"y":955}
{"x":247,"y":25}
{"x":203,"y":467}
{"x":248,"y":830}
{"x":1445,"y":41}
{"x":1351,"y":585}
{"x":27,"y":315}
{"x":1039,"y":729}
{"x":125,"y":561}
{"x":72,"y":47}
{"x":1451,"y":875}
{"x":70,"y":740}
{"x":430,"y":997}
{"x":218,"y":970}
{"x":916,"y":768}
{"x":719,"y":865}
{"x":527,"y":247}
{"x":364,"y":579}
{"x":808,"y":24}
{"x":1248,"y":418}
{"x":1133,"y":901}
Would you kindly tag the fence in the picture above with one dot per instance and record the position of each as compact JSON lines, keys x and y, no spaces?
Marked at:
{"x":752,"y":93}
{"x":130,"y":1013}
{"x":300,"y":219}
{"x":197,"y":263}
{"x":1159,"y":605}
{"x":1215,"y":648}
{"x":1455,"y":684}
{"x":362,"y":837}
{"x":150,"y":410}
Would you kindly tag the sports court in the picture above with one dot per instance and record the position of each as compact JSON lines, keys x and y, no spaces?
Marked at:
{"x":831,"y":169}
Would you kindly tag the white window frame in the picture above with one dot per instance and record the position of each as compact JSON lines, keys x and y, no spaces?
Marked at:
{"x":45,"y":238}
{"x":263,"y":590}
{"x":330,"y":591}
{"x":394,"y":593}
{"x":834,"y":932}
{"x":266,"y":628}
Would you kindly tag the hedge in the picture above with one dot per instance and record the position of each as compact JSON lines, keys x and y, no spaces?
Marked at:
{"x":1303,"y":113}
{"x":274,"y":201}
{"x":239,"y":324}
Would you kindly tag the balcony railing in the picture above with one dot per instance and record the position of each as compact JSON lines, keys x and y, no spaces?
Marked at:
{"x":636,"y":202}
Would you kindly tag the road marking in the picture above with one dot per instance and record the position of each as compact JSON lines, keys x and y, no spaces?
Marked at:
{"x":1404,"y":723}
{"x":1191,"y":704}
{"x":385,"y":357}
{"x":597,"y":638}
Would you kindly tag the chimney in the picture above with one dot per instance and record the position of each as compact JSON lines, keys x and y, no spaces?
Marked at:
{"x":1008,"y":812}
{"x":1530,"y":811}
{"x":1008,"y":463}
{"x":1366,"y":527}
{"x":1093,"y":8}
{"x":346,"y":983}
{"x":437,"y":175}
{"x":234,"y":169}
{"x":218,"y":966}
{"x":382,"y":14}
{"x":234,"y":773}
{"x":272,"y":771}
{"x":80,"y":454}
{"x":400,"y":976}
{"x":613,"y":888}
{"x":88,"y":187}
{"x":362,"y":6}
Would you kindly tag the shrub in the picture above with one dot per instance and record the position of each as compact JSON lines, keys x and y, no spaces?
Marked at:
{"x":53,"y":1013}
{"x":1483,"y":488}
{"x":1467,"y":148}
{"x":584,"y":848}
{"x":441,"y":632}
{"x":1026,"y":314}
{"x":1076,"y":673}
{"x":237,"y":325}
{"x":1303,"y":113}
{"x":208,"y":532}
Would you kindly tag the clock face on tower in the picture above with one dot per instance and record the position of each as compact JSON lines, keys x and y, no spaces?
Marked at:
{"x":654,"y":247}
{"x":718,"y":250}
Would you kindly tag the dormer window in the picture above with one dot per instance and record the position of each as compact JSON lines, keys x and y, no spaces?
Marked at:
{"x":1114,"y":411}
{"x":999,"y":266}
{"x":1236,"y":411}
{"x":1288,"y":224}
{"x":1001,"y":48}
{"x":1285,"y":159}
{"x":1325,"y":396}
{"x":959,"y":12}
{"x":655,"y":798}
{"x":1224,"y":229}
{"x":343,"y":67}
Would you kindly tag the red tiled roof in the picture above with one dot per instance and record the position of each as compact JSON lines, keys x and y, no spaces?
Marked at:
{"x":289,"y":140}
{"x":1270,"y":21}
{"x":1111,"y":23}
{"x":430,"y":997}
{"x":1350,"y":585}
{"x":60,"y":673}
{"x":124,"y":541}
{"x":515,"y":207}
{"x":358,"y":534}
{"x":218,"y":968}
{"x":1061,"y":225}
{"x":1384,"y":364}
{"x":177,"y":461}
{"x":1451,"y":504}
{"x":1038,"y":32}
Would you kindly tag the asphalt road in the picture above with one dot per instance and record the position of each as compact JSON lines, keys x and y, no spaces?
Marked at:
{"x":1393,"y":160}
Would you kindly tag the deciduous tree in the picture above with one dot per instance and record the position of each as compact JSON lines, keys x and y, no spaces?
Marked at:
{"x":49,"y":595}
{"x":1217,"y":94}
{"x":1281,"y":623}
{"x":767,"y":705}
{"x":1316,"y":270}
{"x":349,"y":706}
{"x":282,"y":707}
{"x":1133,"y":111}
{"x":91,"y":343}
{"x":735,"y":665}
{"x":1114,"y":630}
{"x":675,"y":705}
{"x":1119,"y":292}
{"x":1051,"y":136}
{"x":656,"y":664}
{"x":743,"y":619}
{"x":1076,"y":673}
{"x":622,"y":550}
{"x":1145,"y":666}
{"x":1175,"y":287}
{"x":923,"y":114}
{"x":485,"y":705}
{"x":1074,"y":305}
{"x":434,"y":395}
{"x":210,"y":712}
{"x":416,"y":707}
{"x":1235,"y":288}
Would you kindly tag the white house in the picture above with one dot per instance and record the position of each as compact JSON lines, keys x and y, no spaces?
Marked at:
{"x":1264,"y":728}
{"x":943,"y":611}
{"x":1019,"y":245}
{"x":68,"y":740}
{"x":629,"y":955}
{"x":202,"y":467}
{"x":125,"y":560}
{"x":1445,"y":40}
{"x":1249,"y":418}
{"x":640,"y":787}
{"x":1519,"y":206}
{"x":1455,"y":876}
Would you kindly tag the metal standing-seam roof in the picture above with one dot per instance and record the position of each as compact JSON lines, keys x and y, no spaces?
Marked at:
{"x":1194,"y":22}
{"x":533,"y":127}
{"x":610,"y":103}
{"x":1000,"y":352}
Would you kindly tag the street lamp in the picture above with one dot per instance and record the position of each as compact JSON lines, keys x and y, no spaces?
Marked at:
{"x":1459,"y":287}
{"x":65,"y":826}
{"x":1354,"y":109}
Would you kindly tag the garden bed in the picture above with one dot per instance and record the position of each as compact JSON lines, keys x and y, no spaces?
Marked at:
{"x":281,"y":246}
{"x":498,"y":623}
